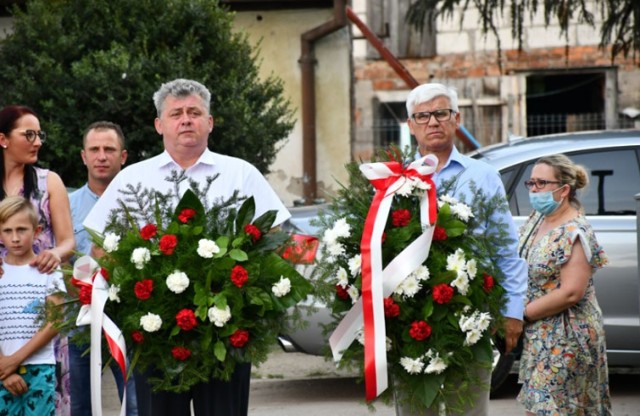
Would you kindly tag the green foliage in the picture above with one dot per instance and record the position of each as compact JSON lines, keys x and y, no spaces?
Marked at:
{"x":619,"y":19}
{"x":79,"y":61}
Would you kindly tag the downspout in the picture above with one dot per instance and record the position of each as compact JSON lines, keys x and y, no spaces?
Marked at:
{"x":307,"y":66}
{"x":462,"y":133}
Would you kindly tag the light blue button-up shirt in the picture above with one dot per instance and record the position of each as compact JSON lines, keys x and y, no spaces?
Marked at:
{"x":82,"y":200}
{"x":487,"y":179}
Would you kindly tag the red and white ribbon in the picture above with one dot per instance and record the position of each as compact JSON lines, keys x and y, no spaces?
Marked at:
{"x":86,"y":272}
{"x":368,"y":311}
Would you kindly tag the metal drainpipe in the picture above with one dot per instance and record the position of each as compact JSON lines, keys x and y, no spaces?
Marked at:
{"x":307,"y":66}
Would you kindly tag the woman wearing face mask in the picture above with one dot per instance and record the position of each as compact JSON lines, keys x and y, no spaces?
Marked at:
{"x":563,"y":368}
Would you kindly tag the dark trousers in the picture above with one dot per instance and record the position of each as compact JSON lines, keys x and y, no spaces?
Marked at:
{"x":214,"y":398}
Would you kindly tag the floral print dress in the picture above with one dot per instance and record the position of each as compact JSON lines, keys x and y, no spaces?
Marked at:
{"x":43,"y":241}
{"x":563,"y":367}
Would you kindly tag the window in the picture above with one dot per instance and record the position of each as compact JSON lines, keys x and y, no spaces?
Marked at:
{"x":386,"y":18}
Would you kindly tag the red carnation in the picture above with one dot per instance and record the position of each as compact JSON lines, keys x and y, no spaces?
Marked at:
{"x":400,"y":217}
{"x":186,"y":214}
{"x":391,"y":309}
{"x":186,"y":319}
{"x":239,"y":275}
{"x":488,"y":282}
{"x":342,"y":293}
{"x":180,"y":353}
{"x":143,"y":289}
{"x":84,"y":295}
{"x":439,"y":234}
{"x":168,"y":243}
{"x":137,"y":337}
{"x":253,"y":231}
{"x":442,"y":293}
{"x":239,"y":338}
{"x":420,"y":330}
{"x":148,"y":232}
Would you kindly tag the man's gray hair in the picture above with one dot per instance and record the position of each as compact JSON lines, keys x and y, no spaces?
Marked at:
{"x":427,"y":92}
{"x":181,"y":88}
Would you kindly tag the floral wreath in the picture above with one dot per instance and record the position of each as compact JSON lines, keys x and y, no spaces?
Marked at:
{"x":439,"y":320}
{"x":195,"y":291}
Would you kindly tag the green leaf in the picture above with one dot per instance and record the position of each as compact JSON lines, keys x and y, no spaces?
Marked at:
{"x":428,"y":388}
{"x":174,"y":331}
{"x":246,"y":213}
{"x":238,"y":255}
{"x":220,"y":351}
{"x":222,"y":242}
{"x":266,"y":220}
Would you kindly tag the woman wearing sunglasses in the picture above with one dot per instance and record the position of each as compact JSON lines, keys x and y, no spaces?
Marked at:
{"x":20,"y":141}
{"x":563,"y":367}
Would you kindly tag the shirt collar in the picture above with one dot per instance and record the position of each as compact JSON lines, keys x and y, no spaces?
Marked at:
{"x":456,"y":157}
{"x":88,"y":190}
{"x":165,"y":160}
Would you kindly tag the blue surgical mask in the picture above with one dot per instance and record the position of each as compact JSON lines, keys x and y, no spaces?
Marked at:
{"x":543,"y":202}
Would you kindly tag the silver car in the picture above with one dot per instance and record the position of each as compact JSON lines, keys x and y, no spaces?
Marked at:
{"x":613,"y":160}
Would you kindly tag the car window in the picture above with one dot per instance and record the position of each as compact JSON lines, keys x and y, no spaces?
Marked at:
{"x":614,"y":179}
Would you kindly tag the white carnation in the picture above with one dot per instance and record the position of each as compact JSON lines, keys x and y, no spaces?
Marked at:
{"x":353,"y":293}
{"x":207,"y":248}
{"x":282,"y":287}
{"x":341,"y":228}
{"x":114,"y":291}
{"x":409,"y":287}
{"x":219,"y":316}
{"x":140,"y":257}
{"x":406,"y":188}
{"x":419,"y":184}
{"x":473,"y":336}
{"x":151,"y":322}
{"x":456,"y":261}
{"x":461,"y":283}
{"x":412,"y":365}
{"x":483,"y":321}
{"x":335,"y":249}
{"x":472,"y":268}
{"x":342,"y":277}
{"x":110,"y":243}
{"x":354,"y":265}
{"x":462,"y":211}
{"x":436,"y":365}
{"x":448,"y":199}
{"x":178,"y":281}
{"x":421,"y":273}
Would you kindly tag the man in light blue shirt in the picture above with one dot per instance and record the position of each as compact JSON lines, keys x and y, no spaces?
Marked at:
{"x":433,"y":119}
{"x":103,"y":154}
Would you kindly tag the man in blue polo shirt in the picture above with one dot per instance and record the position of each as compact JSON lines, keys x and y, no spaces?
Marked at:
{"x":103,"y":153}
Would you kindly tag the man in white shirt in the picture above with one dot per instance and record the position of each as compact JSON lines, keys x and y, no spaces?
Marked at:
{"x":184,"y":121}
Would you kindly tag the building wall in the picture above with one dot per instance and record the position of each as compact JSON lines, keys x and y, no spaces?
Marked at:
{"x":469,"y":61}
{"x":277,"y":35}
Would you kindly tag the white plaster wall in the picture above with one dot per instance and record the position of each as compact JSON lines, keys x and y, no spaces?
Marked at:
{"x":278,"y":33}
{"x":463,"y":36}
{"x":454,"y":37}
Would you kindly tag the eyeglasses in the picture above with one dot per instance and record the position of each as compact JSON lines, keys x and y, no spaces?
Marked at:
{"x":423,"y":117}
{"x":31,"y":135}
{"x":538,"y":183}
